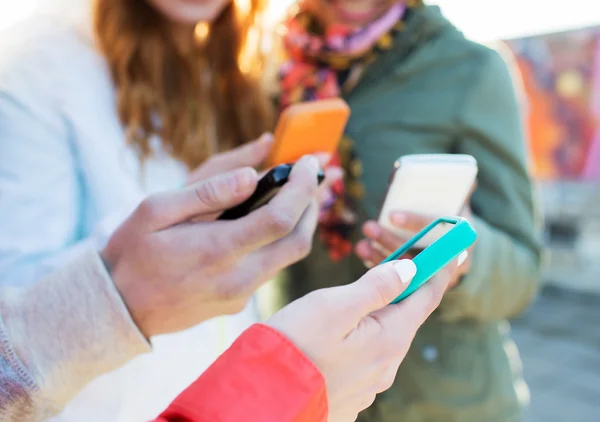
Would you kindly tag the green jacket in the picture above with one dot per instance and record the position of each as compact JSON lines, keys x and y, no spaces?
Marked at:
{"x":437,"y":92}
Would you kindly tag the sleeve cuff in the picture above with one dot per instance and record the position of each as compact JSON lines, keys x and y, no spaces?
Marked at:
{"x":70,"y":327}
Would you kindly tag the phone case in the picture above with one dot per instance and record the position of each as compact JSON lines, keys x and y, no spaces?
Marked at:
{"x":308,"y":128}
{"x":439,"y":254}
{"x":266,"y":189}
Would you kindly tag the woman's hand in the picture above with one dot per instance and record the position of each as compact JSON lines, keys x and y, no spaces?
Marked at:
{"x":175,"y":267}
{"x":254,"y":154}
{"x":355,"y":337}
{"x":380,"y":243}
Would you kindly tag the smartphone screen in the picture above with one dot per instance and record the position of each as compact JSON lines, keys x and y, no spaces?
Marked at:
{"x":430,"y":184}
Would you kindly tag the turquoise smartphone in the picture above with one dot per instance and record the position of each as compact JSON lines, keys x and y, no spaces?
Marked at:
{"x":440,"y":253}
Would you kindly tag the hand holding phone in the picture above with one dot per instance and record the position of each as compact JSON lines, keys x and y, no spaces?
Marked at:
{"x":266,"y":189}
{"x":440,"y":253}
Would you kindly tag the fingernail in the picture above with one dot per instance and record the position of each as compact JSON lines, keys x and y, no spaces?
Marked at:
{"x":377,"y":246}
{"x":266,"y":138}
{"x":462,"y":258}
{"x":373,"y":227}
{"x":406,"y":270}
{"x":324,"y":157}
{"x":398,"y":218}
{"x":368,"y":264}
{"x":312,"y":162}
{"x":244,"y":180}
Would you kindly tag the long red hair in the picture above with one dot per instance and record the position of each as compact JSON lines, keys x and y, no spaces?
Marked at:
{"x":199,"y":100}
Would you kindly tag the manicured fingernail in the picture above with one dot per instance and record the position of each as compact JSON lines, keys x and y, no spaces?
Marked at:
{"x":325,"y":157}
{"x":374,"y":229}
{"x":379,"y":248}
{"x":368,"y":264}
{"x":266,"y":138}
{"x":406,"y":270}
{"x":311,"y":162}
{"x":398,"y":218}
{"x":462,"y":258}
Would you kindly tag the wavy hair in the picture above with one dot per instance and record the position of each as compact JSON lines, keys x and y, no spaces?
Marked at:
{"x":197,"y":100}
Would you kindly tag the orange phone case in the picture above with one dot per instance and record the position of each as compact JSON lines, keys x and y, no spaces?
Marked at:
{"x":308,"y":128}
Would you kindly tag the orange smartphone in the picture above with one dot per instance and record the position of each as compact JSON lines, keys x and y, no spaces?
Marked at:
{"x":308,"y":128}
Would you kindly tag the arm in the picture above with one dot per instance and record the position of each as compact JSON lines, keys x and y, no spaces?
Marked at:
{"x":41,"y":189}
{"x":58,"y":334}
{"x":505,"y":270}
{"x":262,"y":377}
{"x":40,"y":251}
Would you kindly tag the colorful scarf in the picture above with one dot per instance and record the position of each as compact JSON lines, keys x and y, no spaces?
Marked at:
{"x":324,"y":63}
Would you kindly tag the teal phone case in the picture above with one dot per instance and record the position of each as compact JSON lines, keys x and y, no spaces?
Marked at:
{"x":437,"y":255}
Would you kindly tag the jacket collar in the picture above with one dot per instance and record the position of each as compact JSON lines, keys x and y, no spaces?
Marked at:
{"x":422,"y":25}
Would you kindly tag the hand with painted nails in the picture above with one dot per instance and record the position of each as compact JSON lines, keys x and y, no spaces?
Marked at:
{"x":379,"y":242}
{"x":355,"y":337}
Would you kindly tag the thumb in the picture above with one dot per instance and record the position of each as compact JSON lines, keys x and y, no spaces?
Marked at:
{"x":374,"y":291}
{"x":252,"y":154}
{"x":210,"y":196}
{"x":414,"y":310}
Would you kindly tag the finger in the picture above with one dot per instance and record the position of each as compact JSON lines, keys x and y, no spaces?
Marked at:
{"x":332,"y":175}
{"x":374,"y":291}
{"x":265,"y":263}
{"x":280,"y":216}
{"x":407,"y":316}
{"x":252,"y":154}
{"x":462,"y":258}
{"x":368,"y":254}
{"x":207,"y":197}
{"x":410,"y":221}
{"x":324,"y":158}
{"x":324,"y":196}
{"x":383,"y":240}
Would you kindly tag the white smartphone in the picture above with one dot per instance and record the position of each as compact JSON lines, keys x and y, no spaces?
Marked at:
{"x":432,"y":184}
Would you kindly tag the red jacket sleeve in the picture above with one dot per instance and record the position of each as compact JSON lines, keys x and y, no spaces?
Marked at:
{"x":262,"y":377}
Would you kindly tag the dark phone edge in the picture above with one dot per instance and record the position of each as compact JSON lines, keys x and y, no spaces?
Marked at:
{"x":275,"y":179}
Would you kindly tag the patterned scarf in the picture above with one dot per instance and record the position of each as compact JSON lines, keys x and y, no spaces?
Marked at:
{"x":327,"y":62}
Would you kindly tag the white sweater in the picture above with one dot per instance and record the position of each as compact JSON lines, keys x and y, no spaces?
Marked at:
{"x":67,"y":179}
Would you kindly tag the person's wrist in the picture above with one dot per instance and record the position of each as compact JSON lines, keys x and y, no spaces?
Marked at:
{"x":128,"y":295}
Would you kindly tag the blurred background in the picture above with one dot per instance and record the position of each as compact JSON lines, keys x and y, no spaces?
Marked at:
{"x":557,"y":52}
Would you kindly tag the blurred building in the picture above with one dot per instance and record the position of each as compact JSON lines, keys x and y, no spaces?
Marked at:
{"x":561,"y":76}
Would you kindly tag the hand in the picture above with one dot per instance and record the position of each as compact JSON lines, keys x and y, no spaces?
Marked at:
{"x":380,"y":242}
{"x":332,"y":175}
{"x":252,"y":154}
{"x":175,"y":267}
{"x":355,"y":337}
